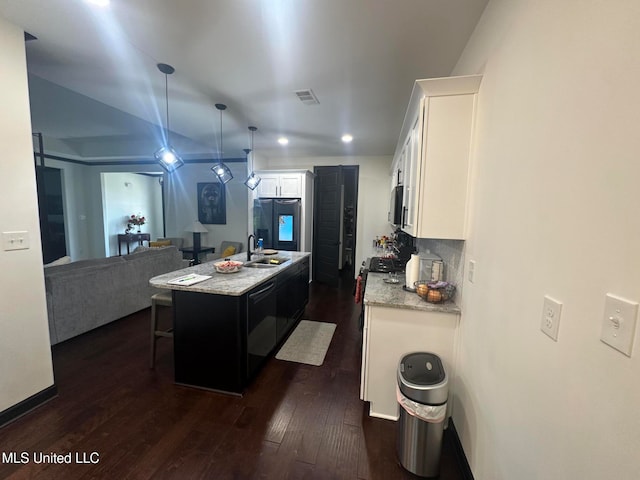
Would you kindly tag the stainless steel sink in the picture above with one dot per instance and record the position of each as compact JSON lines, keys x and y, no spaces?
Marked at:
{"x":254,"y":264}
{"x":266,"y":262}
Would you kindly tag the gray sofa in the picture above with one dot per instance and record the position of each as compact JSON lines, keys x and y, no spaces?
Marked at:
{"x":86,"y":294}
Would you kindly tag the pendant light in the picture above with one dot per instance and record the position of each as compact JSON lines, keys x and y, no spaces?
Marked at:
{"x":166,"y":156}
{"x":252,"y":180}
{"x":220,"y":169}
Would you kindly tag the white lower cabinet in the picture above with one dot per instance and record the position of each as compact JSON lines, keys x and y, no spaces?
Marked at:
{"x":389,"y":334}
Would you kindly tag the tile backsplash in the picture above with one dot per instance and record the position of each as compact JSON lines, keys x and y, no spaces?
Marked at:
{"x":452,"y":254}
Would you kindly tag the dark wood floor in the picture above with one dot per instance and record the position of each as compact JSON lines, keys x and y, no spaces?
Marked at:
{"x":295,"y":421}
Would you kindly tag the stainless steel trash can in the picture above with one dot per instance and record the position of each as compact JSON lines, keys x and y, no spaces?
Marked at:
{"x":422,"y":396}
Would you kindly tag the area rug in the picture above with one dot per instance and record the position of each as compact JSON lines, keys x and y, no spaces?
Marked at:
{"x":308,"y":343}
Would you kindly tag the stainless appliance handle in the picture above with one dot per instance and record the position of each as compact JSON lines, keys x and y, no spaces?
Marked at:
{"x":256,"y":296}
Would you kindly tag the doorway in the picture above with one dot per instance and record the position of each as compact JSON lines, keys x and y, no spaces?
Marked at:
{"x":131,"y":193}
{"x":50,"y":206}
{"x":335,"y":207}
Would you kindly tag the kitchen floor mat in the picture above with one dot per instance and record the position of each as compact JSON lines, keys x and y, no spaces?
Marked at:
{"x":308,"y":343}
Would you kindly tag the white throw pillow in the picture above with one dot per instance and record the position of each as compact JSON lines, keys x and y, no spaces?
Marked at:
{"x":61,"y":261}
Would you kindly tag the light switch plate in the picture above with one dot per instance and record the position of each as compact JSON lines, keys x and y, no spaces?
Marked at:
{"x":15,"y":240}
{"x":619,"y":323}
{"x":472,"y":271}
{"x":551,"y":310}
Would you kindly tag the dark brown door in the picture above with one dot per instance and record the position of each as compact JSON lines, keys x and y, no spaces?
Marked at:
{"x":326,"y":249}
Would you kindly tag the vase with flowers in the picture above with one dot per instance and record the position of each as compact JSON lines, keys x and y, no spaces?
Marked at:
{"x":135,"y":220}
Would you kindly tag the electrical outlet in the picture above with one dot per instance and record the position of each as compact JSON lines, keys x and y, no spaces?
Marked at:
{"x":15,"y":240}
{"x":619,"y":323}
{"x":471,"y":271}
{"x":551,"y":310}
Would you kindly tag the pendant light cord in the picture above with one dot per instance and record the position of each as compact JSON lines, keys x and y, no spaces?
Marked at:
{"x":251,"y":151}
{"x":221,"y":149}
{"x":166,"y":96}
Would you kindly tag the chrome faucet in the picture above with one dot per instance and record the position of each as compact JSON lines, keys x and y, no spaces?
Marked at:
{"x":249,"y":252}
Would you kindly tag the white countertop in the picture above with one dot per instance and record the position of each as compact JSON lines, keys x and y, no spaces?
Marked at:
{"x":233,"y":284}
{"x":381,"y":294}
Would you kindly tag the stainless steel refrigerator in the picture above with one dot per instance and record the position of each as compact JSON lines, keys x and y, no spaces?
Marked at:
{"x":277,"y":222}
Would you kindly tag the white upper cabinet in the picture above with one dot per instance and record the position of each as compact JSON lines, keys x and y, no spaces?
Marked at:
{"x":435,"y":146}
{"x":269,"y":185}
{"x":280,"y":185}
{"x":411,"y":161}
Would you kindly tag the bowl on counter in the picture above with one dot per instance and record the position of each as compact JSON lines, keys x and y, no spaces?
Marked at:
{"x":437,"y":292}
{"x":422,"y":288}
{"x":228,"y":266}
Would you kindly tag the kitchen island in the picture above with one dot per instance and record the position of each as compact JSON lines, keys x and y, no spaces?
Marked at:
{"x":226,"y":327}
{"x":397,"y":322}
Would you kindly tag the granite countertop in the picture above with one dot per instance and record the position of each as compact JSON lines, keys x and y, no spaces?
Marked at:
{"x":381,"y":294}
{"x":233,"y":284}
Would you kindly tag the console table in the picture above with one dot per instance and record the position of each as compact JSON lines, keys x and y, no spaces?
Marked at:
{"x":127,"y":238}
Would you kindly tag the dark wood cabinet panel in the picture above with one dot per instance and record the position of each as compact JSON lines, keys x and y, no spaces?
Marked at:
{"x":209,"y":337}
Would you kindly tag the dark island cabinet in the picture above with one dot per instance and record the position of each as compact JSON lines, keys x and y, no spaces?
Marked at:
{"x":222,"y":341}
{"x":292,"y":297}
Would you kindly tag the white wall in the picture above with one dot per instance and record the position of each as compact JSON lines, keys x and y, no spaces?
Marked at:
{"x":79,"y":217}
{"x":373,"y":192}
{"x":83,"y":203}
{"x":182,"y":204}
{"x":126,"y":194}
{"x":554,"y":211}
{"x":25,"y":354}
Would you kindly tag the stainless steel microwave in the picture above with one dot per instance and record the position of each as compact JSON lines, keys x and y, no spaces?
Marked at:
{"x":395,"y":207}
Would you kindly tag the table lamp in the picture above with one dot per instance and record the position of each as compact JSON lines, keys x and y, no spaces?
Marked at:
{"x":197,"y":228}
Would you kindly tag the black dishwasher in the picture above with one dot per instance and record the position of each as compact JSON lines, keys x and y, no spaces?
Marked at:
{"x":261,"y":325}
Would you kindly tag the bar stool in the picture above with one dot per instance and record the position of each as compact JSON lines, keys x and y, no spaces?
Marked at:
{"x":162,"y":299}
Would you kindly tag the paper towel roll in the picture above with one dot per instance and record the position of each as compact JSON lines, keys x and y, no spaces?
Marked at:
{"x":412,"y":271}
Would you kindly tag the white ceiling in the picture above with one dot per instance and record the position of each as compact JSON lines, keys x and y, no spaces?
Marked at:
{"x":94,"y":83}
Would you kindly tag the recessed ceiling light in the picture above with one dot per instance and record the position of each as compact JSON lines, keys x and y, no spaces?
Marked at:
{"x":283,"y":141}
{"x":99,"y":3}
{"x":346,"y":138}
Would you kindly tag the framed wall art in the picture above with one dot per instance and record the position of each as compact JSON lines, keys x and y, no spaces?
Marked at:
{"x":212,"y":208}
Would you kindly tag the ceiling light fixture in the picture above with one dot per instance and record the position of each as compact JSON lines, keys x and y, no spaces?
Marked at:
{"x":166,"y":156}
{"x":252,"y":180}
{"x":221,"y":170}
{"x":283,"y":141}
{"x":347,"y":138}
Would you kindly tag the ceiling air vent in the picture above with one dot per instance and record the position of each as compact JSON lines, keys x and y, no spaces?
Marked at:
{"x":307,"y":97}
